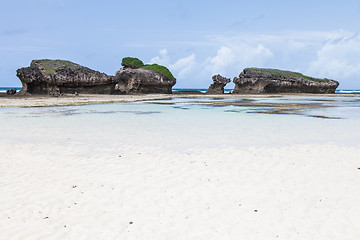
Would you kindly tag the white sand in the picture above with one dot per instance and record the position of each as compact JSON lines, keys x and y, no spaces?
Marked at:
{"x":194,"y":174}
{"x":74,"y":192}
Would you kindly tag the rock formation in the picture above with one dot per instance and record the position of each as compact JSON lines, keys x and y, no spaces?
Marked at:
{"x":57,"y":76}
{"x":260,"y":80}
{"x":140,"y":78}
{"x":218,"y":86}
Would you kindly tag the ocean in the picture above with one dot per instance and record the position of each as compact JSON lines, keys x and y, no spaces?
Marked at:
{"x":4,"y":89}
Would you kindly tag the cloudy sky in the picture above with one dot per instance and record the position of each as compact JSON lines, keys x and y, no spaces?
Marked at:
{"x":194,"y":39}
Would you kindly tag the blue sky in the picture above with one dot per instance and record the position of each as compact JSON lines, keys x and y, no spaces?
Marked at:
{"x":194,"y":39}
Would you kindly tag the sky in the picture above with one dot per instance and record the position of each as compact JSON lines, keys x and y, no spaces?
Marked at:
{"x":194,"y":39}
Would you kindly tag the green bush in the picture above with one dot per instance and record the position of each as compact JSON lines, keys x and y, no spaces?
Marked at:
{"x":137,"y":63}
{"x":132,"y":62}
{"x":159,"y":69}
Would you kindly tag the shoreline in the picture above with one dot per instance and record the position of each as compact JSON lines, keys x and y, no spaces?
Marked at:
{"x":86,"y":99}
{"x":130,"y":171}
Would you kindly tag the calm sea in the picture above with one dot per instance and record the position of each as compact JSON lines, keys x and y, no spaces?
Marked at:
{"x":183,"y":124}
{"x":4,"y":89}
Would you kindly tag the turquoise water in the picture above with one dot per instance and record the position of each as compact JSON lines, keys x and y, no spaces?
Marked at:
{"x":185,"y":124}
{"x":198,"y":89}
{"x":4,"y":89}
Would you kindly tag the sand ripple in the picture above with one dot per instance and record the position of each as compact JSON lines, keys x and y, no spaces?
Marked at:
{"x":127,"y":192}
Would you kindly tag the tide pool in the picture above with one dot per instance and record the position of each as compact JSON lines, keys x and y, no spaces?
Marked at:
{"x":189,"y":123}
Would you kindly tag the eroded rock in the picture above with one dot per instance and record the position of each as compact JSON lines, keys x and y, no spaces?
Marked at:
{"x":55,"y":77}
{"x":219,"y":82}
{"x":261,"y":80}
{"x":140,"y":80}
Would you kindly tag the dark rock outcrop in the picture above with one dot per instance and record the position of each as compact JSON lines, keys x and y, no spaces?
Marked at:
{"x":219,"y":82}
{"x":11,"y":91}
{"x":57,"y":76}
{"x":141,"y":80}
{"x":260,"y":80}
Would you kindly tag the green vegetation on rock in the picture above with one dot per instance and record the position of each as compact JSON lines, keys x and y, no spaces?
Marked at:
{"x":159,"y":69}
{"x":132,"y":62}
{"x":137,"y":63}
{"x":50,"y":66}
{"x":287,"y":74}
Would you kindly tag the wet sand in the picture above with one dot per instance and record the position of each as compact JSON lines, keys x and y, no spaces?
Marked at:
{"x":83,"y":99}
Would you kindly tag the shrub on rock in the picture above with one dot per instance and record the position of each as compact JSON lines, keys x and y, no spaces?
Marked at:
{"x":132,"y":62}
{"x":159,"y":69}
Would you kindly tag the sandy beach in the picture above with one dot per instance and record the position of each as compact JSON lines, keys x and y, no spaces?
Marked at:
{"x":179,"y":120}
{"x":160,"y":171}
{"x":274,"y":193}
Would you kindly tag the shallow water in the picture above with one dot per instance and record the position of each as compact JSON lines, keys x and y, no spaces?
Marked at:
{"x":185,"y":124}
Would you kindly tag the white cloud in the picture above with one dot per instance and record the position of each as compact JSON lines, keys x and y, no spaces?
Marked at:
{"x":225,"y":56}
{"x":181,"y":68}
{"x":184,"y":66}
{"x":163,"y":59}
{"x":262,"y":51}
{"x":233,"y":58}
{"x":333,"y":54}
{"x":338,"y":58}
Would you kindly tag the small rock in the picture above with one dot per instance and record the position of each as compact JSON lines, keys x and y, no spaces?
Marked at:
{"x":11,"y":91}
{"x":218,"y":86}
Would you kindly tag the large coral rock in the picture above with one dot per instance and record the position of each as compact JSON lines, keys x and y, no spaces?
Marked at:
{"x":58,"y":76}
{"x":141,"y":80}
{"x":260,"y":80}
{"x":219,"y":82}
